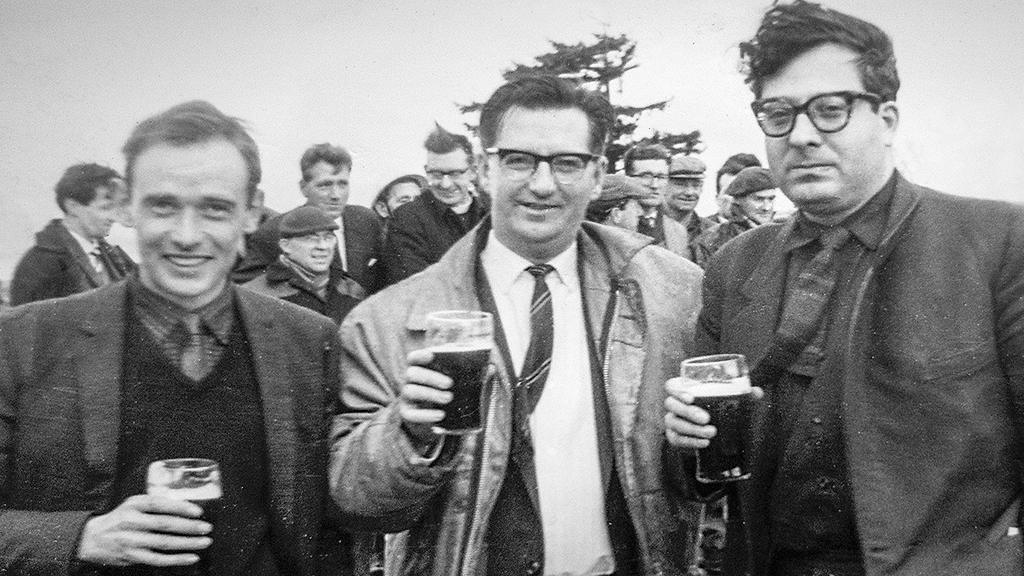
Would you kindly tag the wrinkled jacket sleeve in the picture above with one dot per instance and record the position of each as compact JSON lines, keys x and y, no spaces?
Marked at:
{"x":32,"y":543}
{"x":377,"y":478}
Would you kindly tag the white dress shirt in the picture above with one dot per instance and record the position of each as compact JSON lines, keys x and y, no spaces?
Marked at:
{"x":563,"y":425}
{"x":91,"y":249}
{"x":340,"y":235}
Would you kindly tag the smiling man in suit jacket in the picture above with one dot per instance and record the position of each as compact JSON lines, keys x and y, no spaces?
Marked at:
{"x":174,"y":362}
{"x":326,"y":170}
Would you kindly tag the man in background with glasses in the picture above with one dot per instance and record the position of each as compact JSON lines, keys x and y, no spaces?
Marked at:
{"x":421,"y":231}
{"x":649,"y":164}
{"x":885,"y":324}
{"x":570,"y":473}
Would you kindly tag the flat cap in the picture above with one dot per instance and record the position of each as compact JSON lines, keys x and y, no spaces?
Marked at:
{"x":683,"y":166}
{"x":750,"y":180}
{"x":305,"y":220}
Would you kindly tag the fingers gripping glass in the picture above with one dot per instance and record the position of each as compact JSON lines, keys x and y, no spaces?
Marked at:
{"x":828,"y":112}
{"x":566,"y":168}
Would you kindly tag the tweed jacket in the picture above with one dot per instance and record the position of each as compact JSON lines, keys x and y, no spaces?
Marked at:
{"x":927,"y":342}
{"x":362,"y":249}
{"x":60,"y":364}
{"x":57,"y":266}
{"x":642,"y":303}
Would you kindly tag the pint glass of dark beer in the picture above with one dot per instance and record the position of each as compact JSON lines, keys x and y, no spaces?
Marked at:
{"x":196,"y":480}
{"x":720,"y":384}
{"x":461,"y":341}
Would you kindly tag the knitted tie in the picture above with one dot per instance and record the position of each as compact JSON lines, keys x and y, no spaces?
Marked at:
{"x":808,"y":298}
{"x":192,"y":349}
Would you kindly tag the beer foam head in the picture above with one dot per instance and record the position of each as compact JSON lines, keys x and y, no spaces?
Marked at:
{"x":197,"y":493}
{"x":734,"y":387}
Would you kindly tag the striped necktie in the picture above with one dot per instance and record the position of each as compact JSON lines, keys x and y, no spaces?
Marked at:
{"x":537,"y":362}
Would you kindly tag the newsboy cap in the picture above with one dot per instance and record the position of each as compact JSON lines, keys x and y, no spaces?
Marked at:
{"x":683,"y":166}
{"x":615,"y":188}
{"x":750,"y":180}
{"x":305,"y":220}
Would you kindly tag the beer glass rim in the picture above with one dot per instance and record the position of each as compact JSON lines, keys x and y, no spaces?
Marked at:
{"x":713,"y":359}
{"x":458,"y":315}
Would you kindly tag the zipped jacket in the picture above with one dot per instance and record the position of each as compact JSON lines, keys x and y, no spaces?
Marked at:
{"x":642,"y":302}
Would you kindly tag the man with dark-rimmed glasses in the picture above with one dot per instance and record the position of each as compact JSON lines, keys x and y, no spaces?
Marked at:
{"x":884,"y":324}
{"x":570,"y":472}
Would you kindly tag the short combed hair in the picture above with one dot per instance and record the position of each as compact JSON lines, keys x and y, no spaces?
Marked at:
{"x":644,"y":152}
{"x":326,"y":152}
{"x":441,"y":141}
{"x":546,"y":93}
{"x":789,"y":30}
{"x":733,"y":164}
{"x":79,"y":183}
{"x":193,"y":122}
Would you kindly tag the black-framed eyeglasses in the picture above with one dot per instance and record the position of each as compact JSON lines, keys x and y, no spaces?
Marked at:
{"x":649,"y":178}
{"x":438,"y":175}
{"x":566,"y":168}
{"x":829,"y":112}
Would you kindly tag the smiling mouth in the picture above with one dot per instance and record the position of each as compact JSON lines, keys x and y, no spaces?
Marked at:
{"x":186,"y":261}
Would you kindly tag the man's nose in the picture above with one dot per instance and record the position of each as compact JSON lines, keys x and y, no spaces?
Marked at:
{"x":803,"y":133}
{"x":543,"y":180}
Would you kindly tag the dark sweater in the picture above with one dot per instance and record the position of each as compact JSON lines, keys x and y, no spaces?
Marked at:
{"x":166,"y":415}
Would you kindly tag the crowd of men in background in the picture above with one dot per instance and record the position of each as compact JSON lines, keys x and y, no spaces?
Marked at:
{"x":883,"y":323}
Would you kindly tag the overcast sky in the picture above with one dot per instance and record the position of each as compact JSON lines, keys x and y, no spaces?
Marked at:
{"x":374,"y":76}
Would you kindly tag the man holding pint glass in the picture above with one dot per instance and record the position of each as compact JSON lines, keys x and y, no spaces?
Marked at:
{"x":171,"y":423}
{"x":885,"y":324}
{"x":563,"y":470}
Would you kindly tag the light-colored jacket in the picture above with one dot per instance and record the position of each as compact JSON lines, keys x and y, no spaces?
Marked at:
{"x":642,"y":302}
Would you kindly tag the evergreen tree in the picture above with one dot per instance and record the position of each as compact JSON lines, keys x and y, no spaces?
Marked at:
{"x":597,"y":65}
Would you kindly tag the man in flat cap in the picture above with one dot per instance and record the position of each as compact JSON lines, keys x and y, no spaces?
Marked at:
{"x":682,"y":192}
{"x":753,"y":204}
{"x":303,"y":274}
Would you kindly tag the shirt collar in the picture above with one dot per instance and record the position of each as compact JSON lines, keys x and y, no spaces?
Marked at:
{"x":867,"y":224}
{"x":217,"y":316}
{"x":504,"y":267}
{"x":88,"y":246}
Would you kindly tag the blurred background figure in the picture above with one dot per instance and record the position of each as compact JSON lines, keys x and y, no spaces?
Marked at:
{"x":71,"y":254}
{"x":619,"y":202}
{"x":399,"y":191}
{"x":422,"y":230}
{"x":753,"y":193}
{"x":682,"y":192}
{"x":302,"y":273}
{"x":648,"y":164}
{"x":730,"y":168}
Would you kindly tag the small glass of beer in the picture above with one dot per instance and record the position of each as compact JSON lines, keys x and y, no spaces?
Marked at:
{"x":720,"y":384}
{"x":461,"y":341}
{"x":194,"y":479}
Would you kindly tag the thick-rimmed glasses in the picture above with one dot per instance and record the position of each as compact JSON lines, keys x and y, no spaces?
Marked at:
{"x":829,"y":112}
{"x":566,"y":168}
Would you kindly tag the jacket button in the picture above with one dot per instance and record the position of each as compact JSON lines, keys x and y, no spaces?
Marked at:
{"x":533,"y":569}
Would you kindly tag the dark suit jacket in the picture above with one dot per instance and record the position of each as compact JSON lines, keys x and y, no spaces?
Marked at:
{"x":57,"y":266}
{"x":60,"y":364}
{"x":362,"y":249}
{"x":928,"y":343}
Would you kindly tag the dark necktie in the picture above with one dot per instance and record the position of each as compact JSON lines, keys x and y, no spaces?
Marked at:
{"x":110,"y":261}
{"x":534,"y":373}
{"x":809,"y":296}
{"x":192,"y":349}
{"x":537,"y":362}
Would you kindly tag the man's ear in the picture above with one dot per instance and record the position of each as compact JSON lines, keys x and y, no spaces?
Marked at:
{"x":252,"y":219}
{"x":890,"y":115}
{"x":600,"y":165}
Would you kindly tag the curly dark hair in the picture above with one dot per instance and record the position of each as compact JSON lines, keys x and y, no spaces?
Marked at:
{"x":79,"y":183}
{"x":789,"y":30}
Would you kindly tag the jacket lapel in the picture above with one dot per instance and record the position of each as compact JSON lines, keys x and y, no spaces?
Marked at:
{"x":97,"y":359}
{"x":80,"y":258}
{"x":270,"y":362}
